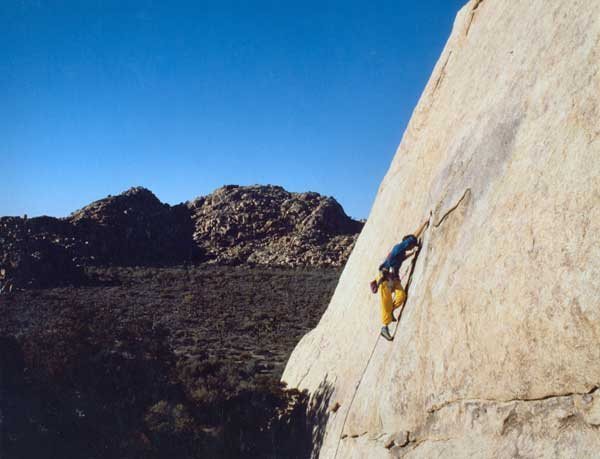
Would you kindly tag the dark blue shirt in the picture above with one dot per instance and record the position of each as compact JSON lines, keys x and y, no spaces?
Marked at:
{"x":398,"y":254}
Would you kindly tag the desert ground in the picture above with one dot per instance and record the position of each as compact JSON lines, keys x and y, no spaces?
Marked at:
{"x":149,"y":361}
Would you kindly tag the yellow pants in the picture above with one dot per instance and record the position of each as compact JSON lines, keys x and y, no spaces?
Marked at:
{"x":392,"y":297}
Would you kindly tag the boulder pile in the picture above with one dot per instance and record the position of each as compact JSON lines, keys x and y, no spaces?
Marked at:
{"x":33,"y":261}
{"x":271,"y":226}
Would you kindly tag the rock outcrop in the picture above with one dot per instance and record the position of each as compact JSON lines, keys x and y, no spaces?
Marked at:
{"x":497,"y":352}
{"x":133,"y":228}
{"x":268,"y":225}
{"x":260,"y":225}
{"x":34,"y":262}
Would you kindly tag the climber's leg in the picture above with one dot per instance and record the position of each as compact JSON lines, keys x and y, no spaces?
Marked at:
{"x":387,"y":303}
{"x":399,"y":294}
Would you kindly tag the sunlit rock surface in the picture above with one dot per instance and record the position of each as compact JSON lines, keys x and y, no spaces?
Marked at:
{"x":497,"y":353}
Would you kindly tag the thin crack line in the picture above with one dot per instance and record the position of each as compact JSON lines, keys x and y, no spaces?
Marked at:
{"x":408,"y":282}
{"x":452,"y":209}
{"x":354,"y":396}
{"x":306,"y":373}
{"x":435,"y":408}
{"x":442,"y":74}
{"x":472,"y":17}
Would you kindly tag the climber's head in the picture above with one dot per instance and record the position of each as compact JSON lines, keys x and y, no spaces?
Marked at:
{"x":411,"y":240}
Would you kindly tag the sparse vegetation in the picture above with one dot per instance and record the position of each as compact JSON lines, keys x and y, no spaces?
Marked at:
{"x":158,"y":362}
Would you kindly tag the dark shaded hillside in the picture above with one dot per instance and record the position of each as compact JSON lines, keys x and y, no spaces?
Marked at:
{"x":157,"y":362}
{"x":133,"y":228}
{"x":257,"y":225}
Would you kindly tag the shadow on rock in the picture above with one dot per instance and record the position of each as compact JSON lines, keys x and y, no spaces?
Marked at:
{"x":317,"y":415}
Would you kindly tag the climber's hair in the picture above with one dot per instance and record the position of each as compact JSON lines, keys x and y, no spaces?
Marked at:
{"x":413,"y":240}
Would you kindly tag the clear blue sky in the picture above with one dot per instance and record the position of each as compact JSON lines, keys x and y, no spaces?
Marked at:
{"x":184,"y":97}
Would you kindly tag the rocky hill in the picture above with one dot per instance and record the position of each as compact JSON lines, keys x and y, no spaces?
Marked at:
{"x":497,"y":351}
{"x":261,"y":225}
{"x":270,"y":226}
{"x":133,"y":228}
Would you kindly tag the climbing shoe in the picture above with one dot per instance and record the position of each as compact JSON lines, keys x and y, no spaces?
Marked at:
{"x":374,"y":286}
{"x":385,"y":332}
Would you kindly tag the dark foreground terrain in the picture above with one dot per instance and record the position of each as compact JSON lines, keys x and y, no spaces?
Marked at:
{"x":158,"y":362}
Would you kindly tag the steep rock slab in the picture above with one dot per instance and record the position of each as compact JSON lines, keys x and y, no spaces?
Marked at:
{"x":497,"y":353}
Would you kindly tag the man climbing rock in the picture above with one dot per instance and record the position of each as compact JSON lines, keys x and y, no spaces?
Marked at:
{"x":391,"y":292}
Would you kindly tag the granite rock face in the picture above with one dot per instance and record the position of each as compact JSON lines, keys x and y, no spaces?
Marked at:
{"x":497,"y":352}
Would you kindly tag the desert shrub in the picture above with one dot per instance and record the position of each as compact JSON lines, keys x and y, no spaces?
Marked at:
{"x":115,"y":394}
{"x":97,"y":374}
{"x":88,"y":386}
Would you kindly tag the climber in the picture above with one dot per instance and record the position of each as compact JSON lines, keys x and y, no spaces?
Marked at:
{"x":391,"y":293}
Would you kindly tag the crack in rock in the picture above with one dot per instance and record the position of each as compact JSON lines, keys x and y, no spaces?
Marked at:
{"x":306,"y":373}
{"x":472,"y":16}
{"x":441,"y":406}
{"x":452,"y":209}
{"x":401,"y":443}
{"x":442,"y":74}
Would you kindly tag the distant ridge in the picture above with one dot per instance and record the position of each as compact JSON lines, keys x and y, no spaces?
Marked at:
{"x":263,"y":225}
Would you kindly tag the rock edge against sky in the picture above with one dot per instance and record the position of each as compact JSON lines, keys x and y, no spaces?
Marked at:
{"x":497,"y":351}
{"x":256,"y":225}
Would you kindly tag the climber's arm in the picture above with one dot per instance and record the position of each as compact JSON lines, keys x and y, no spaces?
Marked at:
{"x":421,"y":229}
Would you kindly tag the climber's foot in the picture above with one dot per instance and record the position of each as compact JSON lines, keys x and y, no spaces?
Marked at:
{"x":385,"y":332}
